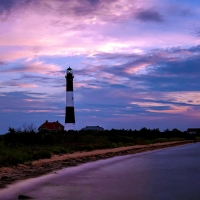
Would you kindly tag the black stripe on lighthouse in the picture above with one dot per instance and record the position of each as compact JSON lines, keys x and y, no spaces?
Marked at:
{"x":69,"y":115}
{"x":69,"y":83}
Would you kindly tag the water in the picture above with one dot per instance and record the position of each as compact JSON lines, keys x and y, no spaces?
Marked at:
{"x":165,"y":174}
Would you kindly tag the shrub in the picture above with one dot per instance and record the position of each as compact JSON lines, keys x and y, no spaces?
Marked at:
{"x":13,"y":157}
{"x":59,"y":150}
{"x":41,"y":154}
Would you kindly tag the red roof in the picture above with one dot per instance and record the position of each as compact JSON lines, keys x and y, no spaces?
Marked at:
{"x":51,"y":126}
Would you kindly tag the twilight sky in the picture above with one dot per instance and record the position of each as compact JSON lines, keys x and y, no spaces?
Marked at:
{"x":136,"y":63}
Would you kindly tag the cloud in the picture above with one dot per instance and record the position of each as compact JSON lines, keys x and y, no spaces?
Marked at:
{"x":60,"y":28}
{"x":92,"y":10}
{"x":86,"y":85}
{"x":93,"y":2}
{"x":188,"y":67}
{"x":7,"y":5}
{"x":36,"y":76}
{"x":175,"y":69}
{"x":33,"y":67}
{"x":117,"y":59}
{"x":27,"y":101}
{"x":18,"y":84}
{"x":149,"y":15}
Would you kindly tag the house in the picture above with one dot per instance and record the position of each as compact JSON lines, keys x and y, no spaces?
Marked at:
{"x":51,"y":127}
{"x":92,"y":128}
{"x":193,"y":130}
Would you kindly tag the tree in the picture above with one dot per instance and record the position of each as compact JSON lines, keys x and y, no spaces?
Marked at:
{"x":29,"y":127}
{"x":11,"y":130}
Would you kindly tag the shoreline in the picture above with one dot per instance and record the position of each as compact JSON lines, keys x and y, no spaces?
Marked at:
{"x":40,"y":167}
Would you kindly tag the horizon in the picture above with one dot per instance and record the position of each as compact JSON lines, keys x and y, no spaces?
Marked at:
{"x":135,"y":64}
{"x":31,"y":127}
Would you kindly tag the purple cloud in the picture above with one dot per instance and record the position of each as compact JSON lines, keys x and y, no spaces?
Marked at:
{"x":93,"y":2}
{"x":149,"y":15}
{"x":8,"y":5}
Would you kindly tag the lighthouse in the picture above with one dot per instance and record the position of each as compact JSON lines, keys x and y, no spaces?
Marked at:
{"x":69,"y":111}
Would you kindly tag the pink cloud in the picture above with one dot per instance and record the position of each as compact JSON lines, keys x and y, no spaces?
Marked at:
{"x":86,"y":85}
{"x":41,"y":68}
{"x":34,"y":67}
{"x":137,"y":69}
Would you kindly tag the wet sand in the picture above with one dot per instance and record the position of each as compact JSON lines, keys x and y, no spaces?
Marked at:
{"x":9,"y":175}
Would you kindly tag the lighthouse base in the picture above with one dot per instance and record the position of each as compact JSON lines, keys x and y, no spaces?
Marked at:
{"x":70,"y":126}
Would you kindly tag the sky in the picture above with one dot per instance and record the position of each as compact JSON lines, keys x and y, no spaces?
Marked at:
{"x":135,"y":63}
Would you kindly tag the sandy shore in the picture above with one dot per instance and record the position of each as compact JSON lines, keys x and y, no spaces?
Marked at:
{"x":39,"y":167}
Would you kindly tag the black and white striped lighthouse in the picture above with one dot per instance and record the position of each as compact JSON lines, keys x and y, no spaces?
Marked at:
{"x":69,"y":112}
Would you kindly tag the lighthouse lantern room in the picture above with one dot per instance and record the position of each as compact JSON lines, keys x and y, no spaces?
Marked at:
{"x":69,"y":112}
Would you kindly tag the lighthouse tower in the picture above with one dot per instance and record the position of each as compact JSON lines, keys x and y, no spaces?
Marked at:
{"x":69,"y":112}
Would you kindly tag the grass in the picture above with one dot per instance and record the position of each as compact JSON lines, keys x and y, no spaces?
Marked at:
{"x":10,"y":156}
{"x":24,"y":147}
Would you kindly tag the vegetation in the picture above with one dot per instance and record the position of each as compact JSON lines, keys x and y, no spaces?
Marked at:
{"x":19,"y":146}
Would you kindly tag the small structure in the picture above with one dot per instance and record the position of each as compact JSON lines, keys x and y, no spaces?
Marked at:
{"x":92,"y":128}
{"x":193,"y":130}
{"x":51,"y":127}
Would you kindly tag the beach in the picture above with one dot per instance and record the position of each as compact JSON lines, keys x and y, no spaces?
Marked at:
{"x":40,"y":167}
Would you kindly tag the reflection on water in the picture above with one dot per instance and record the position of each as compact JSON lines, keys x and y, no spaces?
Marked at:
{"x":171,"y":173}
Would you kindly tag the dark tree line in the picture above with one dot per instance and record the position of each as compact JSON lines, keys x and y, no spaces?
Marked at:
{"x":20,"y":146}
{"x":81,"y":138}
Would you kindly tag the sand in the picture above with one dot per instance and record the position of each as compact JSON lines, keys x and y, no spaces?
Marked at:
{"x":9,"y":175}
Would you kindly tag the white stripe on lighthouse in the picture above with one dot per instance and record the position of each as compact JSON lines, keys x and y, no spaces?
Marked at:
{"x":69,"y":99}
{"x":70,"y":126}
